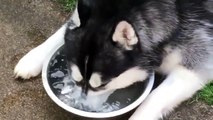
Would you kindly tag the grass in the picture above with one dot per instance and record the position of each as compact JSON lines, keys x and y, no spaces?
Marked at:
{"x":68,"y":5}
{"x":205,"y":94}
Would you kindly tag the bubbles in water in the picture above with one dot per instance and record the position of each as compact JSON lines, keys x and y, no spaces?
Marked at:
{"x":54,"y":62}
{"x":58,"y":85}
{"x":71,"y":94}
{"x":109,"y":107}
{"x":66,"y":90}
{"x":57,"y":74}
{"x":128,"y":100}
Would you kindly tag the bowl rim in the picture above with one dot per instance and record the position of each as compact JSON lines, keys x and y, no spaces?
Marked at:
{"x":126,"y":109}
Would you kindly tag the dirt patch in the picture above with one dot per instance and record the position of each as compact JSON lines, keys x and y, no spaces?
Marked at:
{"x":37,"y":37}
{"x":194,"y":111}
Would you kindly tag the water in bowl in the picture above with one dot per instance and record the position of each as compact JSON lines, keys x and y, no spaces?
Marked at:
{"x":72,"y":95}
{"x":65,"y":88}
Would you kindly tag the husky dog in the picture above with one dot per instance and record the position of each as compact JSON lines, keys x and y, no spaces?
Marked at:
{"x":120,"y":42}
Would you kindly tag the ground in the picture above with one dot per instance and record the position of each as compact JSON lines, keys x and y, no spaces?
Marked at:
{"x":25,"y":24}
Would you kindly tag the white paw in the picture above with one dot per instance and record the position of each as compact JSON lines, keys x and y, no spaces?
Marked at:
{"x":30,"y":65}
{"x":76,"y":74}
{"x":95,"y":80}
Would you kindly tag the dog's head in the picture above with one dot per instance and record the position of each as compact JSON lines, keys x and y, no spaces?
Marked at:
{"x":105,"y":50}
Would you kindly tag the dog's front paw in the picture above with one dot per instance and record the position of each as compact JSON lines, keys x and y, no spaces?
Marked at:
{"x":30,"y":65}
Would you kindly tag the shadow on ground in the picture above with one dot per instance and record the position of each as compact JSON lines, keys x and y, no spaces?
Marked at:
{"x":25,"y":24}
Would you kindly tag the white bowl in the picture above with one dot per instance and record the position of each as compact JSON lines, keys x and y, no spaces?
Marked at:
{"x":53,"y":96}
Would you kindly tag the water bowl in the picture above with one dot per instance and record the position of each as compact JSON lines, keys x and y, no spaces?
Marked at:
{"x":63,"y":90}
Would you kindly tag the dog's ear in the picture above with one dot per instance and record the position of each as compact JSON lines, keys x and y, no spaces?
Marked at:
{"x":125,"y":35}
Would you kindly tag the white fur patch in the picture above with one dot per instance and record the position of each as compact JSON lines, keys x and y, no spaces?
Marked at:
{"x":95,"y":80}
{"x":76,"y":74}
{"x":180,"y":85}
{"x":127,"y":78}
{"x":172,"y":59}
{"x":75,"y":18}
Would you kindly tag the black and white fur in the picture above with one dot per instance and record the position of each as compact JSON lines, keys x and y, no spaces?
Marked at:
{"x":124,"y":40}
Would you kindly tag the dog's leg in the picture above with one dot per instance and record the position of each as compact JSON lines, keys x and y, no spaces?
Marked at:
{"x":180,"y":85}
{"x":31,"y":64}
